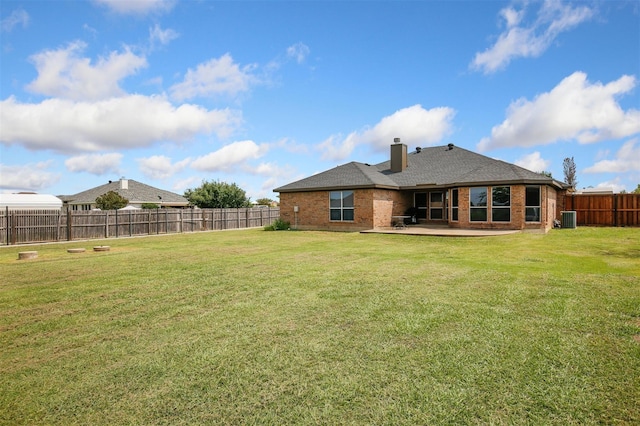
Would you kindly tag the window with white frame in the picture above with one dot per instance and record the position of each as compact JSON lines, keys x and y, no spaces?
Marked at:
{"x":478,"y":204}
{"x":83,"y":207}
{"x":341,"y":206}
{"x":532,"y":204}
{"x":501,"y":204}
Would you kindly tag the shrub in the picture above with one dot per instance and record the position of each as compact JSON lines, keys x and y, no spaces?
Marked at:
{"x":111,"y":201}
{"x":278,"y":225}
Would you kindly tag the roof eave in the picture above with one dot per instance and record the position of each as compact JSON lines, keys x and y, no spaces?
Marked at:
{"x":506,"y":182}
{"x":335,"y":188}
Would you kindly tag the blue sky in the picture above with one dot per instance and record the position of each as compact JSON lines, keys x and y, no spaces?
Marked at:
{"x":262,"y":93}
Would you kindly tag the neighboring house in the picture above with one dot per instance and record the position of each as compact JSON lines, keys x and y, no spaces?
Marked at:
{"x":137,"y":193}
{"x":594,"y":191}
{"x":29,"y":201}
{"x":443,"y":185}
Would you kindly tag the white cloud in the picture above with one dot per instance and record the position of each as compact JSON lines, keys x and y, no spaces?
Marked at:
{"x":336,"y":148}
{"x":17,"y":17}
{"x":533,"y":162}
{"x":180,"y":186}
{"x":90,"y":30}
{"x":97,"y":164}
{"x":64,"y":73}
{"x":217,"y":76}
{"x":271,"y":170}
{"x":27,"y":177}
{"x":511,"y":16}
{"x":574,"y":109}
{"x":291,"y":146}
{"x":615,"y":185}
{"x":161,"y":167}
{"x":163,"y":37}
{"x":299,"y":52}
{"x":230,"y":157}
{"x":530,"y":40}
{"x":414,"y":125}
{"x":137,"y":7}
{"x":627,"y":160}
{"x":123,"y":122}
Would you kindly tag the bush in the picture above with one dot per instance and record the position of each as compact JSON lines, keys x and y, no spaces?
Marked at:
{"x":278,"y":225}
{"x":217,"y":195}
{"x":111,"y":201}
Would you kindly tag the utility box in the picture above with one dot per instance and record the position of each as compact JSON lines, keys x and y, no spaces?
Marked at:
{"x":569,"y":220}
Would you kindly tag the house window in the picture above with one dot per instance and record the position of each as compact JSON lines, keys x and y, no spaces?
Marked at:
{"x":436,"y":205}
{"x":532,"y":204}
{"x":501,"y":204}
{"x":341,"y":205}
{"x":454,"y":205}
{"x":478,"y":204}
{"x":83,"y":207}
{"x":420,"y":203}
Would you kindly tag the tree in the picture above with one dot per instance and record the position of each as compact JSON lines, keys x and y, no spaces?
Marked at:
{"x":545,"y":173}
{"x":637,"y":190}
{"x":150,"y":206}
{"x":111,"y":201}
{"x":264,"y":201}
{"x":569,"y":167}
{"x":217,"y":195}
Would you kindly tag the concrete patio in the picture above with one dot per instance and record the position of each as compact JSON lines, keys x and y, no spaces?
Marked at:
{"x":440,"y":231}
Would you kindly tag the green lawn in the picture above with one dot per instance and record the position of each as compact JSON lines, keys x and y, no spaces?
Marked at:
{"x":286,"y":327}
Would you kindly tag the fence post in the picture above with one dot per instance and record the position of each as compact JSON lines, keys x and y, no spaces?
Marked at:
{"x":59,"y":216}
{"x":6,"y":219}
{"x":14,"y":231}
{"x":166,"y":222}
{"x":117,"y":225}
{"x":69,"y":227}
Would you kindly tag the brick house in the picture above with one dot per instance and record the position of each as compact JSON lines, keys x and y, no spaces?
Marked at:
{"x":136,"y":192}
{"x":442,"y":185}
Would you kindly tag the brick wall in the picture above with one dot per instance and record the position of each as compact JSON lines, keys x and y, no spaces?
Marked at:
{"x":313,"y":211}
{"x":548,"y":211}
{"x":374,"y":208}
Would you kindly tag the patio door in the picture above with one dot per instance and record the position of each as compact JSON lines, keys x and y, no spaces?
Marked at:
{"x":436,"y":205}
{"x":420,"y":203}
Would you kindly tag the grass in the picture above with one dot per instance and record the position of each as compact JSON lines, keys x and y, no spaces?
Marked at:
{"x":255,"y":327}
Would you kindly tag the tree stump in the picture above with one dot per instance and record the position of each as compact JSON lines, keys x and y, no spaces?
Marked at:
{"x":101,"y":248}
{"x":27,"y":255}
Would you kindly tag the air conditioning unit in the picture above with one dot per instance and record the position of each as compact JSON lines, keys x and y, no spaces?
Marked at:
{"x":569,"y":219}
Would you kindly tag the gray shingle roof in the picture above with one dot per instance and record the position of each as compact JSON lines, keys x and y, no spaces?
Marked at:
{"x":136,"y":193}
{"x":350,"y":175}
{"x":436,"y":166}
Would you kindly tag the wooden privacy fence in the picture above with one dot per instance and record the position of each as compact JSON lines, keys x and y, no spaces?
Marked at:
{"x":605,"y":209}
{"x":38,"y":226}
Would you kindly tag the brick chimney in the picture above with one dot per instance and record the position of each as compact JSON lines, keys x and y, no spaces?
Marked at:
{"x":398,"y":156}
